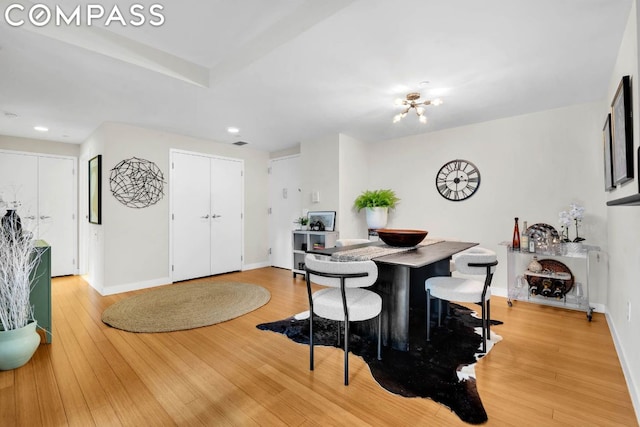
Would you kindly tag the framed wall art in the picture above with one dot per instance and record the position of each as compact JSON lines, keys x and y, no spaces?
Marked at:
{"x":327,"y":219}
{"x":622,"y":133}
{"x":608,"y":164}
{"x":95,"y":190}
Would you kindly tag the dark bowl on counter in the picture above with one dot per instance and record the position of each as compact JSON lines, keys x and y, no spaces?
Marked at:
{"x":401,"y":237}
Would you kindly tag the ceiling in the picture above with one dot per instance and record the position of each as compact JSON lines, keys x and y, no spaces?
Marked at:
{"x":285,"y":71}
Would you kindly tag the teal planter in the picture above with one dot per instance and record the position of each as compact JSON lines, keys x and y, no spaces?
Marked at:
{"x":18,"y":346}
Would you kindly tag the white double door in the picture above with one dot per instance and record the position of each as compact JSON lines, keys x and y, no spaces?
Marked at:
{"x":46,"y":188}
{"x":206,"y":215}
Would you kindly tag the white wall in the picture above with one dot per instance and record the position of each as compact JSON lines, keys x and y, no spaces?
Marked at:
{"x":291,"y":151}
{"x":353,"y":179}
{"x":38,"y":146}
{"x":135,"y":242}
{"x":623,"y":225}
{"x":91,"y":247}
{"x":319,"y":168}
{"x":531,"y":167}
{"x":337,"y":167}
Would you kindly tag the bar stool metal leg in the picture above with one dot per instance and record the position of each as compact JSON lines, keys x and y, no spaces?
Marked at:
{"x":346,"y":353}
{"x":379,"y":336}
{"x":428,"y":315}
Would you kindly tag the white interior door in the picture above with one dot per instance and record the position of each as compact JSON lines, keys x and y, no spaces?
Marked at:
{"x":46,"y":189}
{"x":226,"y":215}
{"x":19,"y":183}
{"x":206,"y":207}
{"x":190,"y":201}
{"x":57,"y":220}
{"x":286,"y":206}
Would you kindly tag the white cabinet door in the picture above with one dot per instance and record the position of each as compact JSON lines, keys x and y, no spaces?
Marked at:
{"x":206,"y":200}
{"x":285,"y":207}
{"x":57,"y":223}
{"x":226,"y":215}
{"x":190,"y":195}
{"x":19,"y":183}
{"x":45,"y":187}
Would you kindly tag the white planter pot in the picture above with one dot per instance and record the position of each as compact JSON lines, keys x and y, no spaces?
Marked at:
{"x":573,"y":247}
{"x":17,"y":346}
{"x":377,"y":217}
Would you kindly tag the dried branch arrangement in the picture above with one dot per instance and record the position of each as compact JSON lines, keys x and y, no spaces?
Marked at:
{"x":18,"y":260}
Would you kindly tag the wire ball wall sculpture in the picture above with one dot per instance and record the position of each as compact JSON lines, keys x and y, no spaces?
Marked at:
{"x":137,"y":183}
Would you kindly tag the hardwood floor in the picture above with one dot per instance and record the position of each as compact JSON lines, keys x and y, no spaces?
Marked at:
{"x":552,"y":368}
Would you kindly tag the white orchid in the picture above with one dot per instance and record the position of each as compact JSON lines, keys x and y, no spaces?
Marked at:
{"x":576,"y":212}
{"x":566,"y":219}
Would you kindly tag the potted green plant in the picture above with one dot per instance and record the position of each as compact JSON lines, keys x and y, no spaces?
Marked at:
{"x":376,"y":204}
{"x":303,"y":221}
{"x":18,"y":259}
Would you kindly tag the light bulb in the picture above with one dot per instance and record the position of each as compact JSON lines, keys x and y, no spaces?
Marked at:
{"x":420,"y":110}
{"x":397,"y":118}
{"x":423,"y":119}
{"x":398,"y":102}
{"x":403,"y":115}
{"x":436,"y":102}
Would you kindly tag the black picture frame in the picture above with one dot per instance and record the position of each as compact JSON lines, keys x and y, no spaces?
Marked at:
{"x":328,"y":219}
{"x":622,"y":133}
{"x":608,"y":163}
{"x":95,"y":190}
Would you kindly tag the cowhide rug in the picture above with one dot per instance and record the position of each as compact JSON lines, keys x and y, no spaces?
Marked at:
{"x":441,"y":370}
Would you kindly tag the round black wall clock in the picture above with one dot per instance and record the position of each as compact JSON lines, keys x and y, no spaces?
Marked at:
{"x":458,"y":180}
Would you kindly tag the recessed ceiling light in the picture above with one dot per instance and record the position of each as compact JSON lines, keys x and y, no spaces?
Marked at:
{"x":233,"y":129}
{"x":240,"y":143}
{"x":41,"y":128}
{"x":10,"y":115}
{"x":424,"y":83}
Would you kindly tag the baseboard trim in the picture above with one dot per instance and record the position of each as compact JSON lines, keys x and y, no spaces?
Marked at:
{"x":87,"y":278}
{"x":631,"y":386}
{"x":255,"y":266}
{"x":135,"y":286}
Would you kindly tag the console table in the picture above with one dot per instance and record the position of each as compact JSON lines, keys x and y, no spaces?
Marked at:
{"x":40,"y":296}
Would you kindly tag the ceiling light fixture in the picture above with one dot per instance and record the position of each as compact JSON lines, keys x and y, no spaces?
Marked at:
{"x":412,"y":102}
{"x":233,"y":130}
{"x":41,"y":128}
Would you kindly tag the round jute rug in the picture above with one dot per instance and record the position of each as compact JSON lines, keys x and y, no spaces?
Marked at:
{"x":185,"y":306}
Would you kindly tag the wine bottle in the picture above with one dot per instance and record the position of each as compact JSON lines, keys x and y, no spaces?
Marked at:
{"x":546,"y":288}
{"x":558,"y":289}
{"x":515,"y":245}
{"x":524,"y":238}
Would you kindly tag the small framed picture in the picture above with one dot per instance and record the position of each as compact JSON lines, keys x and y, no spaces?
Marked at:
{"x":608,"y":169}
{"x":622,"y":133}
{"x":322,"y":220}
{"x":95,"y":190}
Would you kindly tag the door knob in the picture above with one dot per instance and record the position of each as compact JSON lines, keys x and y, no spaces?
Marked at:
{"x":205,"y":217}
{"x":44,"y":217}
{"x":216,"y":216}
{"x":30,"y":217}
